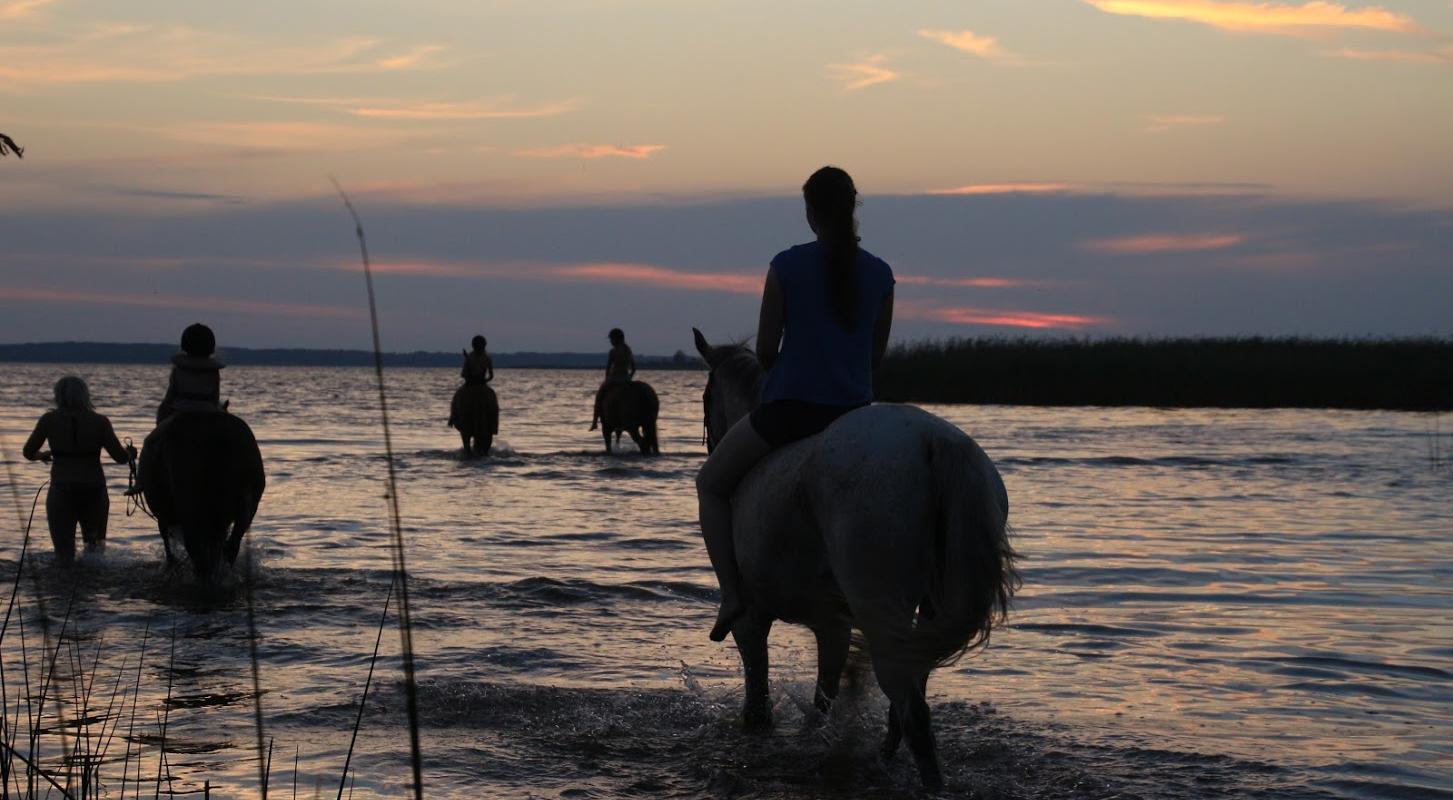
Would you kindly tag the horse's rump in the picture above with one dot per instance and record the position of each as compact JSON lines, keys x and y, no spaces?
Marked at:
{"x":631,"y":406}
{"x":891,"y":515}
{"x":475,"y":409}
{"x":202,"y":472}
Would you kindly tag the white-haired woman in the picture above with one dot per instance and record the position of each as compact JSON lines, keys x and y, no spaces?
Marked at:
{"x":76,"y":434}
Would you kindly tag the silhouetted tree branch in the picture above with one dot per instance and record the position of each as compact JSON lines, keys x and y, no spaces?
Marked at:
{"x":7,"y":144}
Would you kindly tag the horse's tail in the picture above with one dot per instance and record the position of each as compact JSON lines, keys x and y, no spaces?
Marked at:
{"x":648,"y":427}
{"x":974,"y":576}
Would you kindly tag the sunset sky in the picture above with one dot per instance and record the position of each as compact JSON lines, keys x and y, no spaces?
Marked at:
{"x":542,"y":171}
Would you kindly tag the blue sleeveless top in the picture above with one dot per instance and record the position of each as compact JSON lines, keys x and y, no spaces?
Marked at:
{"x":820,"y":360}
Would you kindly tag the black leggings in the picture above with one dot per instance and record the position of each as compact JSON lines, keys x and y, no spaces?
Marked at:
{"x":69,"y":504}
{"x":783,"y":422}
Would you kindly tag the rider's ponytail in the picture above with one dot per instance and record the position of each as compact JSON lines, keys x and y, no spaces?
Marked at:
{"x":831,"y":199}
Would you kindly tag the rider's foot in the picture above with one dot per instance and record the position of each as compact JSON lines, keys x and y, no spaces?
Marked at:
{"x":726,"y":617}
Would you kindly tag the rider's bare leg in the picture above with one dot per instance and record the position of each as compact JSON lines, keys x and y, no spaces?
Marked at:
{"x":728,"y":463}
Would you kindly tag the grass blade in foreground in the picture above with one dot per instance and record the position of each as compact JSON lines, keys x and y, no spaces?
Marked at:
{"x":401,"y":574}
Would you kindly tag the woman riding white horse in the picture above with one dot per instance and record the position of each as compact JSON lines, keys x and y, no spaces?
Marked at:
{"x":891,"y":520}
{"x":832,"y":301}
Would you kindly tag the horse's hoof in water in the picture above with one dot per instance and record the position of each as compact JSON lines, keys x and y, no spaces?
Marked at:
{"x":821,"y":701}
{"x":889,"y":748}
{"x":756,"y":718}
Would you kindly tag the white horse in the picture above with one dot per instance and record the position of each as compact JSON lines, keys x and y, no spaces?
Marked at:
{"x":892,"y":521}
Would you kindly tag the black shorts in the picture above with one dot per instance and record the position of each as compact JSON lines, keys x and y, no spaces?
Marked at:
{"x":783,"y":422}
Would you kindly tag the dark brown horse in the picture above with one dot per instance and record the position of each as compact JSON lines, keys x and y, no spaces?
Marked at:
{"x":201,"y":474}
{"x":630,"y":407}
{"x":474,"y":411}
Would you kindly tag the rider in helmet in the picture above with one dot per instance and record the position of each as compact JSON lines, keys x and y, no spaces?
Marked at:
{"x":196,"y":379}
{"x":620,"y":367}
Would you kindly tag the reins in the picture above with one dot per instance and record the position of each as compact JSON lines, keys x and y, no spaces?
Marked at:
{"x":706,"y":412}
{"x":134,"y":498}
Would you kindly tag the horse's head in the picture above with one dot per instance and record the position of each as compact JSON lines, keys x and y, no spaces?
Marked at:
{"x":732,"y":386}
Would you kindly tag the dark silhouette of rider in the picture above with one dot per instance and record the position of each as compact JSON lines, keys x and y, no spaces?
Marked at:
{"x":827,"y":309}
{"x":478,"y":368}
{"x":196,"y":380}
{"x":620,"y":367}
{"x":77,"y":495}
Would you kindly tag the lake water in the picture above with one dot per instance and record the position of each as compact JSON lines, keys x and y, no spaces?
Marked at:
{"x":1216,"y":604}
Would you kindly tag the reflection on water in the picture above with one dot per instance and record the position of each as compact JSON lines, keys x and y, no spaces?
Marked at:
{"x":1216,"y":603}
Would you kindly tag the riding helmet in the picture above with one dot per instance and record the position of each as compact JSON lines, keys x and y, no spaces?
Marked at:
{"x":198,"y":340}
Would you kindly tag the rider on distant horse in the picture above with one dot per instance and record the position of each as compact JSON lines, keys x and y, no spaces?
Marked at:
{"x":834,"y":303}
{"x":478,"y":368}
{"x":196,"y":379}
{"x":620,"y":367}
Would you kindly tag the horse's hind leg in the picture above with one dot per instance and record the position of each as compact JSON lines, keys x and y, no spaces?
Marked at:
{"x":464,"y":439}
{"x":832,"y":656}
{"x":908,"y":717}
{"x":750,"y":634}
{"x":640,"y":442}
{"x":605,"y":434}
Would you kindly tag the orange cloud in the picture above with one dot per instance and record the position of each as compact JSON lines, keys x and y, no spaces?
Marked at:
{"x":1249,"y":17}
{"x":263,"y":307}
{"x":638,"y":152}
{"x":1160,"y":123}
{"x":998,"y":317}
{"x":411,"y":59}
{"x":1444,"y":56}
{"x":1006,"y":188}
{"x":15,"y":9}
{"x":868,"y":72}
{"x":129,"y":53}
{"x":1163,"y":243}
{"x":285,"y":135}
{"x":986,"y":47}
{"x":394,"y":108}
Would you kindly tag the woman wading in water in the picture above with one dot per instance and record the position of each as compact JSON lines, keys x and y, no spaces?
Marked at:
{"x":827,"y":308}
{"x":77,"y":495}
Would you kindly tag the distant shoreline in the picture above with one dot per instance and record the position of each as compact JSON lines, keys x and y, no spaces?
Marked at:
{"x":1252,"y":372}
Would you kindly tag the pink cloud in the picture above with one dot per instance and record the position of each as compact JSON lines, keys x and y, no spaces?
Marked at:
{"x":650,"y":276}
{"x":1006,"y":188}
{"x":638,"y":152}
{"x":997,"y":317}
{"x":263,"y":307}
{"x":1163,"y":243}
{"x":662,"y":277}
{"x":968,"y":283}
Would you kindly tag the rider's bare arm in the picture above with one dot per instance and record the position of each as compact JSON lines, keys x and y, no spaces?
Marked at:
{"x":113,"y":446}
{"x":488,"y":369}
{"x":883,"y":328}
{"x":630,"y":364}
{"x":769,"y":321}
{"x":31,"y":451}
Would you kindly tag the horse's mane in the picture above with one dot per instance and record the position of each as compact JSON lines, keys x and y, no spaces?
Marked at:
{"x":737,"y":364}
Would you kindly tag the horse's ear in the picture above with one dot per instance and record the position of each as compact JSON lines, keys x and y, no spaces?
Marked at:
{"x":702,"y":346}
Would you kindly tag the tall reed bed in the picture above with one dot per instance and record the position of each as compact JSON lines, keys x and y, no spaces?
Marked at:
{"x":1254,"y":372}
